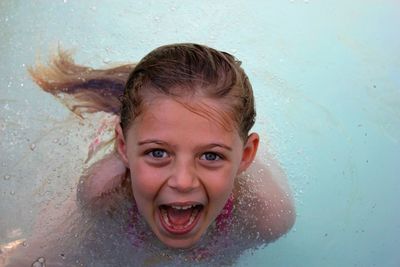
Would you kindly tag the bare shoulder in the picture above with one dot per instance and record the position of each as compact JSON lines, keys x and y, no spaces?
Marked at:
{"x":101,"y":178}
{"x":264,"y":200}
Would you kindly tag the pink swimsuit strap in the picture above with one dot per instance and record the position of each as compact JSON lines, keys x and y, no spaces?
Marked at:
{"x":223,"y":219}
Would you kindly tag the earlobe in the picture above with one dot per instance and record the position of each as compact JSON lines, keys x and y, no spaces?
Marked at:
{"x":120,"y":143}
{"x":249,"y":152}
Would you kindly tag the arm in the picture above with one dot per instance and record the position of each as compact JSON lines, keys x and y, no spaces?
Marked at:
{"x":264,"y":200}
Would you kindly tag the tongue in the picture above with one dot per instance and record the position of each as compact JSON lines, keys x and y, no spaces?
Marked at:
{"x":179,"y":217}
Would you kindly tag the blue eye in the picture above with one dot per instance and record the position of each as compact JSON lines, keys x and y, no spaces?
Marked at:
{"x":158,"y":153}
{"x":210,"y":156}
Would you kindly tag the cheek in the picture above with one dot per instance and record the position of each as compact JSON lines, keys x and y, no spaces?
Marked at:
{"x":145,"y":181}
{"x":219,"y":185}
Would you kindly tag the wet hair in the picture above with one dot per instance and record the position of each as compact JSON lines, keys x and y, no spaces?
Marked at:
{"x":182,"y":70}
{"x":176,"y":70}
{"x":82,"y":89}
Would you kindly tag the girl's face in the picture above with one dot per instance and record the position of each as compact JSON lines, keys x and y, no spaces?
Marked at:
{"x":183,"y":164}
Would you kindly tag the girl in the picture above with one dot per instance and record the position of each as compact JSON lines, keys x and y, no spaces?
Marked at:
{"x":184,"y":156}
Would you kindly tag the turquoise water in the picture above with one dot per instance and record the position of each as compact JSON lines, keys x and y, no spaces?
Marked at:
{"x":327,"y":82}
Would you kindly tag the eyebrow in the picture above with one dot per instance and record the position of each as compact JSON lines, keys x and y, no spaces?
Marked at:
{"x":159,"y":142}
{"x":218,"y":145}
{"x":152,"y":141}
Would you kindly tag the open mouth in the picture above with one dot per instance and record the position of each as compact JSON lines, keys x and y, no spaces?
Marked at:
{"x":180,"y":219}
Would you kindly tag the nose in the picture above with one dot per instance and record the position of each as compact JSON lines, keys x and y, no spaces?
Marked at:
{"x":184,"y":177}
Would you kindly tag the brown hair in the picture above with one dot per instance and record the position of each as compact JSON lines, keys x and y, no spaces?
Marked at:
{"x":190,"y":69}
{"x":91,"y":90}
{"x":175,"y":70}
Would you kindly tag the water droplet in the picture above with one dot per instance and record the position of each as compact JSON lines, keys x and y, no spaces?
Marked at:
{"x":7,"y":177}
{"x":32,"y":147}
{"x":22,"y":85}
{"x":12,"y":192}
{"x":40,"y":262}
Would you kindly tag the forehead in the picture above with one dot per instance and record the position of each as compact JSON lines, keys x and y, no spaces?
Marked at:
{"x":185,"y":114}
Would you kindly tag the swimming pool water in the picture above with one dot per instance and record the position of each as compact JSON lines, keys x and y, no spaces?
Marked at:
{"x":327,"y":81}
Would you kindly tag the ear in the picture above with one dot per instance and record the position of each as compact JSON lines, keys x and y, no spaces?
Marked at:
{"x":120,"y":143}
{"x":249,"y":152}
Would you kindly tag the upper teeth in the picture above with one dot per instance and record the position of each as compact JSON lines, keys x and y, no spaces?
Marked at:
{"x":182,"y":207}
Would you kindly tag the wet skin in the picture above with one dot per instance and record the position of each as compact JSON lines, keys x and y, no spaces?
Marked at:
{"x":178,"y":157}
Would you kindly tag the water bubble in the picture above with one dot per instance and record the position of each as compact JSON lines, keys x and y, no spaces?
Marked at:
{"x":7,"y":177}
{"x":12,"y":192}
{"x":32,"y":147}
{"x":22,"y":85}
{"x":40,"y":262}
